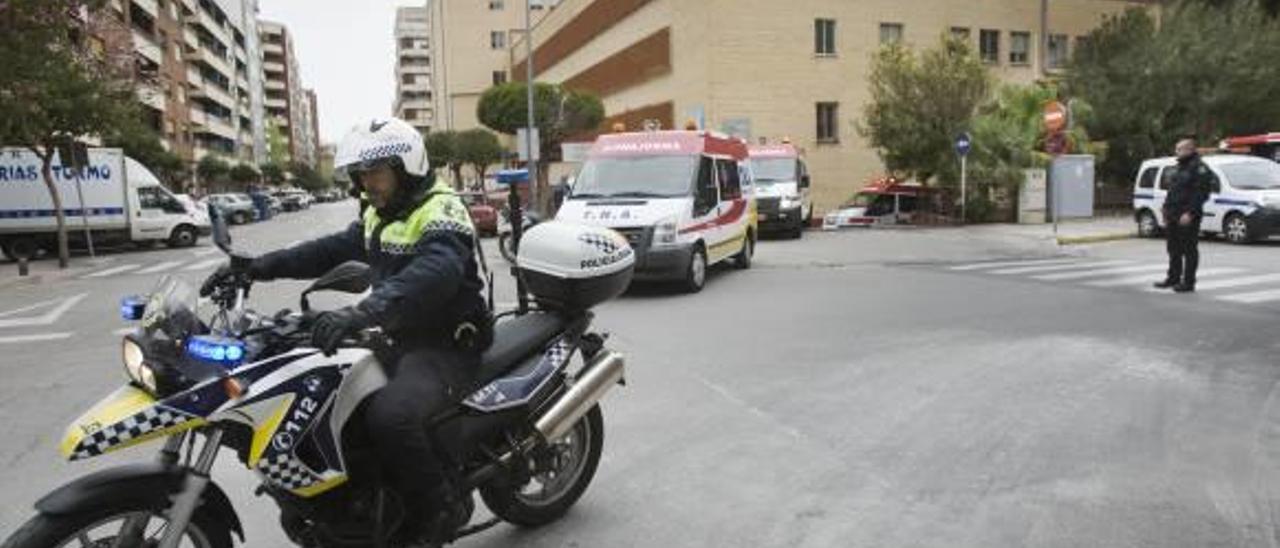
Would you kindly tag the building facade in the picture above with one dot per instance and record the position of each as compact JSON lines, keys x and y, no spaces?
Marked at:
{"x":415,"y":101}
{"x":797,"y":70}
{"x":286,"y":101}
{"x":470,"y":43}
{"x":198,"y":63}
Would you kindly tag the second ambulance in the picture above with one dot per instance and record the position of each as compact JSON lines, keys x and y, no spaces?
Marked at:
{"x":681,"y":198}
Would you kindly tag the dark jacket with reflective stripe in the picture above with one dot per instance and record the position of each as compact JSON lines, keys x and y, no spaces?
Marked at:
{"x":426,"y":280}
{"x":1189,"y":189}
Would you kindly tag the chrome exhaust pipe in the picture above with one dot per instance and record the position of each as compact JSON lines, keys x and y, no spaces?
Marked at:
{"x":596,"y":379}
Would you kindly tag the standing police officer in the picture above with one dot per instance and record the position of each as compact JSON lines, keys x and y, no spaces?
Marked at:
{"x":1183,"y":210}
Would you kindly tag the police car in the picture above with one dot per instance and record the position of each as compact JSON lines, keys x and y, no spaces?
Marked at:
{"x":1244,"y":204}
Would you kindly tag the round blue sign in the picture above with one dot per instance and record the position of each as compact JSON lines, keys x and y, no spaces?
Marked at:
{"x":964,"y":143}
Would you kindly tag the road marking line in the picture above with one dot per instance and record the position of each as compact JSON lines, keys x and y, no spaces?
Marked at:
{"x":1148,"y":279}
{"x":35,"y":338}
{"x":1097,"y":272}
{"x":1237,"y":282}
{"x":112,"y":271}
{"x":1202,"y":274}
{"x":28,"y":308}
{"x":123,"y":332}
{"x":159,"y":268}
{"x":1005,"y":264}
{"x":205,"y":252}
{"x":1052,"y":268}
{"x":1254,"y":297}
{"x":48,"y":318}
{"x":204,"y":264}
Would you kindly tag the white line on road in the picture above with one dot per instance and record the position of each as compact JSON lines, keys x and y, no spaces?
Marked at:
{"x":1053,"y":268}
{"x":1148,"y":279}
{"x":1201,"y":274}
{"x":1254,"y":297}
{"x":159,"y":268}
{"x":28,"y":308}
{"x":1004,"y":264}
{"x":204,"y":264}
{"x":205,"y":252}
{"x":1097,"y":272}
{"x":112,"y":271}
{"x":48,"y":318}
{"x":35,"y":338}
{"x":123,"y":332}
{"x":1237,"y":282}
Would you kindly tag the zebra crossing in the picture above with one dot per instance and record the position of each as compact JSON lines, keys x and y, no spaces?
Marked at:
{"x":1222,"y":283}
{"x":200,"y":260}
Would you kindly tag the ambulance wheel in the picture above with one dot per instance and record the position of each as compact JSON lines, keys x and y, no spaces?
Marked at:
{"x":742,"y":261}
{"x":696,"y":274}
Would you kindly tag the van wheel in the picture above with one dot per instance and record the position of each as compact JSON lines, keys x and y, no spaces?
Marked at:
{"x":696,"y":275}
{"x":1236,"y":229}
{"x":22,"y":248}
{"x":742,"y":261}
{"x":240,"y":218}
{"x":1148,"y":227}
{"x":183,"y":236}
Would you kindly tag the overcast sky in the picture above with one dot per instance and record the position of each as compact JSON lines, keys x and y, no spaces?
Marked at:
{"x":346,"y":52}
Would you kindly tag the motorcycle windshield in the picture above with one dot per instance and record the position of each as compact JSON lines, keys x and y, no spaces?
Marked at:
{"x":172,"y":310}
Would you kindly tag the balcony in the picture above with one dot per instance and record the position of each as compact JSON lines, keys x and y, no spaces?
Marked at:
{"x":212,"y":125}
{"x":204,"y":89}
{"x":151,"y":7}
{"x":423,"y":86}
{"x":151,"y":96}
{"x":276,"y":103}
{"x":273,"y":68}
{"x":218,"y":31}
{"x":415,"y":52}
{"x":147,"y":47}
{"x":190,"y":38}
{"x":275,"y":85}
{"x":207,"y":57}
{"x":190,"y":6}
{"x":272,"y":48}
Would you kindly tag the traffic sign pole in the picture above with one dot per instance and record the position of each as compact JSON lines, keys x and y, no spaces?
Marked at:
{"x":964,"y":202}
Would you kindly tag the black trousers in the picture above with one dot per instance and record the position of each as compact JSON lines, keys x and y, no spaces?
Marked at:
{"x":423,"y":382}
{"x":1184,"y":252}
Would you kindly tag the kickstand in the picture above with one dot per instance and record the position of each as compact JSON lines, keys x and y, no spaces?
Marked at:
{"x":477,"y":528}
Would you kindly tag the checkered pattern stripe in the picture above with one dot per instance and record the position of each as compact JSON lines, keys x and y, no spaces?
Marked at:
{"x":605,"y":244}
{"x":385,"y":151}
{"x":285,"y":472}
{"x":149,"y":420}
{"x":447,"y":225}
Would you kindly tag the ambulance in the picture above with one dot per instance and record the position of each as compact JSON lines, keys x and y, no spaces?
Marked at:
{"x":884,"y":202}
{"x":681,"y":198}
{"x":782,"y":188}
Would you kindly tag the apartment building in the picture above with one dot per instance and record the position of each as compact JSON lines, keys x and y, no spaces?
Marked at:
{"x":767,"y":69}
{"x":285,"y":98}
{"x":470,"y":43}
{"x":414,"y":100}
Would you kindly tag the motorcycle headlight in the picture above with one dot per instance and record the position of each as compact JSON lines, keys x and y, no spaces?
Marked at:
{"x":665,"y":231}
{"x":136,"y":367}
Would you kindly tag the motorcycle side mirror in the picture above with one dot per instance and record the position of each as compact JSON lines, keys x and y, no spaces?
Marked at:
{"x":221,"y":234}
{"x":348,"y":277}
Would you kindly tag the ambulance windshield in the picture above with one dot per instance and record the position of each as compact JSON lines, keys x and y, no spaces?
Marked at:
{"x":636,"y":177}
{"x":774,"y":170}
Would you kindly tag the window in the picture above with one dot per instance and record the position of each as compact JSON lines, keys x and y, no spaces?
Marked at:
{"x":706,"y":197}
{"x":890,"y":33}
{"x":828,"y":132}
{"x":1166,"y":177}
{"x":907,"y":204}
{"x":149,"y":197}
{"x":1148,"y":179}
{"x":1082,"y":42}
{"x":730,"y":183}
{"x":960,"y":33}
{"x":497,"y":39}
{"x":1019,"y":48}
{"x":1058,"y":52}
{"x":496,"y":5}
{"x":499,"y":77}
{"x":989,"y":46}
{"x":824,"y":36}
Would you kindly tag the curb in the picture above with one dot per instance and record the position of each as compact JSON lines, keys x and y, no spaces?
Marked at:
{"x":1095,"y":238}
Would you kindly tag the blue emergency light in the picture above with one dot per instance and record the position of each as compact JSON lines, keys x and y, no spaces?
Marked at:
{"x":220,"y":350}
{"x":132,"y":307}
{"x":512,"y":177}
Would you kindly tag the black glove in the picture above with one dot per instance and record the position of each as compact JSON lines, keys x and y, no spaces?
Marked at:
{"x":249,"y":267}
{"x":331,"y":327}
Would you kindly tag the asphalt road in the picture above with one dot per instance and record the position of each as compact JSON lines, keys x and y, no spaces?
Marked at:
{"x":875,"y":388}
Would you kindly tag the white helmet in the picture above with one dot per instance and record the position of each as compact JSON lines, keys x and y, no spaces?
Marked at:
{"x":378,"y":141}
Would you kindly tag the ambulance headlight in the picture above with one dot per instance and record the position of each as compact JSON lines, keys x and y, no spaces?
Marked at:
{"x":135,"y":365}
{"x":665,"y":231}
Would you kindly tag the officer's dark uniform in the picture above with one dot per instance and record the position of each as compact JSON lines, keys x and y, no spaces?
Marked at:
{"x":427,"y":296}
{"x":1187,"y":193}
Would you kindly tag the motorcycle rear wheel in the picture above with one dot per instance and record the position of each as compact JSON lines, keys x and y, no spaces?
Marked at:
{"x":558,"y":487}
{"x":95,"y":530}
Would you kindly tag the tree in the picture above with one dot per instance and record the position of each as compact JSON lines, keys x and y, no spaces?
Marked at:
{"x":442,"y":150}
{"x":277,"y":148}
{"x":1203,"y":69}
{"x":64,"y":78}
{"x":213,"y":171}
{"x":479,"y":149}
{"x":920,"y":103}
{"x":308,"y":178}
{"x":143,"y":144}
{"x":273,"y":174}
{"x":558,"y":113}
{"x":243,"y":175}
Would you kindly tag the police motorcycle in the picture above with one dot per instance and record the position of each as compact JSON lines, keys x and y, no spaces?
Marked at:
{"x":528,"y":439}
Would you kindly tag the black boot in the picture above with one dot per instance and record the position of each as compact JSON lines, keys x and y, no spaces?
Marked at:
{"x":1185,"y":288}
{"x":449,"y":515}
{"x":1165,"y":284}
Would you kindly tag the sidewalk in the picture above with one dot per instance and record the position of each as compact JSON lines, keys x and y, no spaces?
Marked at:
{"x":46,"y":270}
{"x":1070,"y":232}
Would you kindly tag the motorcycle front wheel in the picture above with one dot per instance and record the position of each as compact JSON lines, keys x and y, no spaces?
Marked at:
{"x":102,"y":527}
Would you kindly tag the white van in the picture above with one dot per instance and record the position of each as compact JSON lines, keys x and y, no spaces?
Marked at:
{"x":1244,"y":204}
{"x":123,"y":202}
{"x":681,"y":198}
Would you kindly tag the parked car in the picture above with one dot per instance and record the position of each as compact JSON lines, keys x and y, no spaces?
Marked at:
{"x":237,"y":208}
{"x":293,"y":200}
{"x":1244,"y":204}
{"x":483,"y":215}
{"x":884,"y":202}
